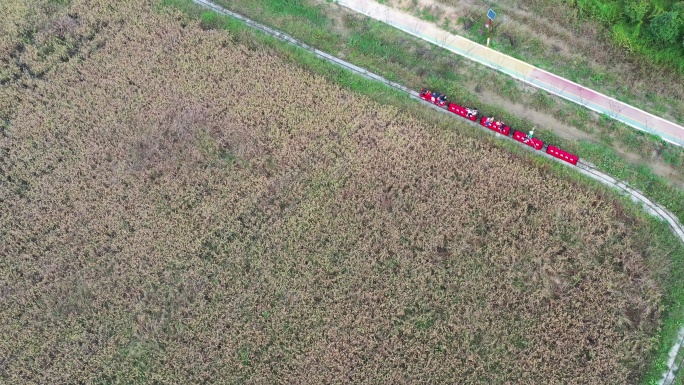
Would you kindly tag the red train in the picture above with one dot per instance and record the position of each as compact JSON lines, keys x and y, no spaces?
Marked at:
{"x":497,"y":126}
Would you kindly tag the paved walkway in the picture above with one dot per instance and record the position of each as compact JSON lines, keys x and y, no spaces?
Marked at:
{"x":534,"y":76}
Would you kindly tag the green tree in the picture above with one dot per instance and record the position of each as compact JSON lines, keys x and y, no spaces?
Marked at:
{"x":679,"y":8}
{"x":636,"y":10}
{"x":665,"y":28}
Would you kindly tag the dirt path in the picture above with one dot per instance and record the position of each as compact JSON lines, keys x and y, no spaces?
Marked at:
{"x":554,"y":36}
{"x":539,"y":118}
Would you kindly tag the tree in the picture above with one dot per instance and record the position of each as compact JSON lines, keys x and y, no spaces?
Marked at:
{"x":679,"y":8}
{"x":636,"y":10}
{"x":664,"y":28}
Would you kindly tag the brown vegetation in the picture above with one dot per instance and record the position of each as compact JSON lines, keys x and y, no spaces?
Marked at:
{"x":177,"y":207}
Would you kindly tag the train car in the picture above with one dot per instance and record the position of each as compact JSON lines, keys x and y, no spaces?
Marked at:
{"x":462,"y":112}
{"x":495,"y":126}
{"x":562,"y":155}
{"x":433,"y":97}
{"x":523,"y":138}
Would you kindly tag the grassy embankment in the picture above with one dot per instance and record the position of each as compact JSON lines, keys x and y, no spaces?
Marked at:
{"x":654,"y":30}
{"x":372,"y":46}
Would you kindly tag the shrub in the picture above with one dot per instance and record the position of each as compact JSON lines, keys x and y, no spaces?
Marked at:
{"x":636,"y":10}
{"x":665,"y":27}
{"x":623,"y":38}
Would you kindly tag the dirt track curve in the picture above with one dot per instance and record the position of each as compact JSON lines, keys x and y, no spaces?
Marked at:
{"x":584,"y":167}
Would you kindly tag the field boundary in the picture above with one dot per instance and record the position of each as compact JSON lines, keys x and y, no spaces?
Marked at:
{"x":583,"y":167}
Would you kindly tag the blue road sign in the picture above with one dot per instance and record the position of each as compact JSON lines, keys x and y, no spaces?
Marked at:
{"x":491,"y":14}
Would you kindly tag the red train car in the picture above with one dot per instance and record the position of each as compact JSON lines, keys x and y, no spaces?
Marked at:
{"x":433,"y":97}
{"x":500,"y":128}
{"x":562,"y":155}
{"x":522,"y":138}
{"x":462,"y":112}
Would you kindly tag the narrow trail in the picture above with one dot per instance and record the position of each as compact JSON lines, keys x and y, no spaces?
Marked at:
{"x":583,"y":167}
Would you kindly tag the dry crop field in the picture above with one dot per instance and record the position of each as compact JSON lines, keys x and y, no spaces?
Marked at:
{"x":179,"y":207}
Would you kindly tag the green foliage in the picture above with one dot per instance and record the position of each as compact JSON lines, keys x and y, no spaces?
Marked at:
{"x":673,"y":155}
{"x":665,"y":28}
{"x":679,"y":8}
{"x":298,"y":8}
{"x":639,"y":25}
{"x":605,"y":11}
{"x":636,"y":10}
{"x":209,"y":19}
{"x":623,"y":37}
{"x":369,"y":43}
{"x":426,"y":14}
{"x":542,"y":101}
